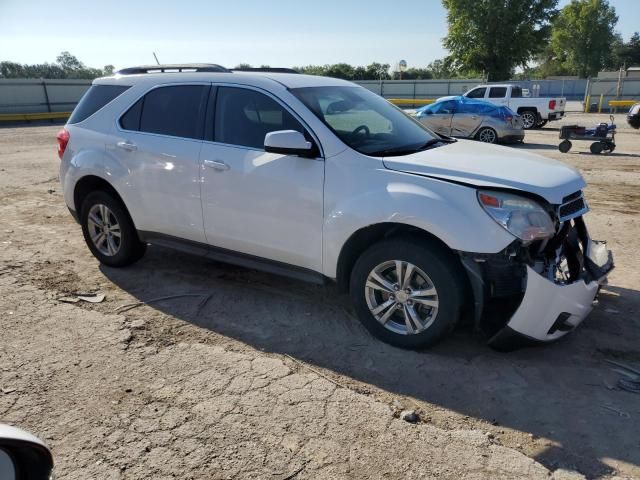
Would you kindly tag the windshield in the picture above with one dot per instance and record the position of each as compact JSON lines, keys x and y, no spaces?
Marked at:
{"x":365,"y":121}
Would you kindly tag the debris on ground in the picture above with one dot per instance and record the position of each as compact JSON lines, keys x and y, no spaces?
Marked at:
{"x":410,"y":416}
{"x":83,"y":297}
{"x":129,"y":306}
{"x":631,"y":380}
{"x":8,"y":390}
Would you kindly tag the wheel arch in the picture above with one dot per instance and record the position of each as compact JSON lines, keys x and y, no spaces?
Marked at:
{"x":363,"y":238}
{"x":528,"y":109}
{"x":92,"y":183}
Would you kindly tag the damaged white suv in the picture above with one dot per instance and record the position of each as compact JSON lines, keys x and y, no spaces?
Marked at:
{"x":321,"y":179}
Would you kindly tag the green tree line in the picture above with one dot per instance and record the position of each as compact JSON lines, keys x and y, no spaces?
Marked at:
{"x":494,"y":39}
{"x":65,"y":66}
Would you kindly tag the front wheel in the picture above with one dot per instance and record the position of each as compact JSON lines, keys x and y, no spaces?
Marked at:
{"x":109,"y":231}
{"x":597,"y":147}
{"x":407,"y":292}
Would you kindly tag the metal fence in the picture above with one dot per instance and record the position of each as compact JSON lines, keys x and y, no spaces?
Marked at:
{"x":42,"y":96}
{"x":39,"y":96}
{"x":600,"y":91}
{"x":573,"y":89}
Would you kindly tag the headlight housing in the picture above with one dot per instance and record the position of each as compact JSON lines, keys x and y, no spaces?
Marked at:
{"x":520,"y":216}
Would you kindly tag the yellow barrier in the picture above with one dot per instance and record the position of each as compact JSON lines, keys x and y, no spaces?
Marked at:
{"x":21,"y":117}
{"x":622,"y":103}
{"x":410,"y":101}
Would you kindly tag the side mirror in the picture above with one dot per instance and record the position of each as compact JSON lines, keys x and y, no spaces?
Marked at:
{"x":23,"y":456}
{"x":288,"y":142}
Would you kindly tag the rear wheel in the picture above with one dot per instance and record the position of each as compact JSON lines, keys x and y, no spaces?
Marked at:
{"x":109,"y":231}
{"x":564,"y":146}
{"x":407,"y":292}
{"x":597,"y":147}
{"x":529,"y":119}
{"x":487,"y":135}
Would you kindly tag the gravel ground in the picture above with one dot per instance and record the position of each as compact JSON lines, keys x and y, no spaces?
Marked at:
{"x":271,"y":378}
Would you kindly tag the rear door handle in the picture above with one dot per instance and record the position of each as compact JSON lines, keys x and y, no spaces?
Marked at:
{"x":128,"y":146}
{"x":216,"y":165}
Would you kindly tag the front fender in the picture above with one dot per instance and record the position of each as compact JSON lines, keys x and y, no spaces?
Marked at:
{"x":448,"y":211}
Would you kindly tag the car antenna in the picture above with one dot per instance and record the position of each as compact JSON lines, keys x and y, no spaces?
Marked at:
{"x":156,"y":57}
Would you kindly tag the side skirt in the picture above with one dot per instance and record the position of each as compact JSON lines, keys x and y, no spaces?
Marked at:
{"x":234,"y":258}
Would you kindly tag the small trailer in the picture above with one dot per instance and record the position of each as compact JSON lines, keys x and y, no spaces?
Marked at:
{"x":602,"y":136}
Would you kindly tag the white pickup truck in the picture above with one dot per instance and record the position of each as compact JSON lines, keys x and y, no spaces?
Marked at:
{"x":535,"y":111}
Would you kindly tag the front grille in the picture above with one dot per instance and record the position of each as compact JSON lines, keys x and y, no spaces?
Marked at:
{"x":571,"y":209}
{"x":573,"y":196}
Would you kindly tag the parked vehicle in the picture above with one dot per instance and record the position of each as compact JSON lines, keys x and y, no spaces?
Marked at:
{"x":465,"y":118}
{"x":633,"y":117}
{"x":23,"y":456}
{"x":323,"y":180}
{"x":535,"y":111}
{"x":603,"y":137}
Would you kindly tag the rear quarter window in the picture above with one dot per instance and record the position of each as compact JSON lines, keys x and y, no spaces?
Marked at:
{"x":94,"y":99}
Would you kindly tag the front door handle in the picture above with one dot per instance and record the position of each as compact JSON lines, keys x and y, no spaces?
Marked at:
{"x":216,"y":165}
{"x":128,"y":146}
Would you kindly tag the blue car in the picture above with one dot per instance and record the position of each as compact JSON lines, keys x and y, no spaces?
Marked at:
{"x":467,"y":118}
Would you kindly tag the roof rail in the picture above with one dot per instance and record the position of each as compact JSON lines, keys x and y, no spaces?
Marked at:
{"x":265,"y":69}
{"x":179,"y":67}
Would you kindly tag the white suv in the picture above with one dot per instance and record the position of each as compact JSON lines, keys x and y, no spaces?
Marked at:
{"x":322,"y":180}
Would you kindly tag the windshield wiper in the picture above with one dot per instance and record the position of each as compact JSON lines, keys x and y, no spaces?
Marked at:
{"x":408,"y":151}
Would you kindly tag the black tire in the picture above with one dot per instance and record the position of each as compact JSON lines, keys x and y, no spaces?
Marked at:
{"x":443,"y":270}
{"x":529,"y":119}
{"x":564,"y":146}
{"x":597,"y":147}
{"x":130,"y":248}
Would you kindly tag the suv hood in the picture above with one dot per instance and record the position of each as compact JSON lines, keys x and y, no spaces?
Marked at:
{"x":483,"y":165}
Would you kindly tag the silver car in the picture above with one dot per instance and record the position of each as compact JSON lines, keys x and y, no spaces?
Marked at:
{"x":467,"y":118}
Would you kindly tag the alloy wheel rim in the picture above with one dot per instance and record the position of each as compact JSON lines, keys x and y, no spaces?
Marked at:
{"x":487,"y":136}
{"x":401,"y":297}
{"x":528,"y":120}
{"x":104,"y":230}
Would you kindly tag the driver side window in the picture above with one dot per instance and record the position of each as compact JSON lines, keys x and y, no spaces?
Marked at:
{"x":244,"y":117}
{"x":344,"y":115}
{"x":445,"y":108}
{"x":477,"y":93}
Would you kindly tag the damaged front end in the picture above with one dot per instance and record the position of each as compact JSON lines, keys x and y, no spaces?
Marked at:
{"x":540,"y":289}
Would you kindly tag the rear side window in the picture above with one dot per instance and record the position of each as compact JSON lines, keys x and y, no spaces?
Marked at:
{"x":498,"y":92}
{"x":176,"y":110}
{"x":516,"y":92}
{"x":94,"y":99}
{"x":244,"y":117}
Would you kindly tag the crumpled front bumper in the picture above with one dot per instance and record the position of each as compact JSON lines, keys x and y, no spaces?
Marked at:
{"x":550,"y":310}
{"x":547,"y":312}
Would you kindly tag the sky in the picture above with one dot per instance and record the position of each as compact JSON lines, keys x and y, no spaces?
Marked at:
{"x":282,"y":33}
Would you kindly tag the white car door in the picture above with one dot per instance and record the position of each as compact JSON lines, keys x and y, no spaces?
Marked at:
{"x":263,"y":204}
{"x":158,"y":140}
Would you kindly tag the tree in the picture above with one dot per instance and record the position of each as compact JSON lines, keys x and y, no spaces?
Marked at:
{"x":583,"y":36}
{"x":69,"y":62}
{"x":67,"y":66}
{"x":628,"y":53}
{"x":495,"y":36}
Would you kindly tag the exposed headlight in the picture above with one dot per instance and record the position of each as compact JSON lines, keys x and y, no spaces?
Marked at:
{"x":520,"y":216}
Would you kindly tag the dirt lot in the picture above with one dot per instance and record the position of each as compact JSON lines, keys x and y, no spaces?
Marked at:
{"x":276,"y":379}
